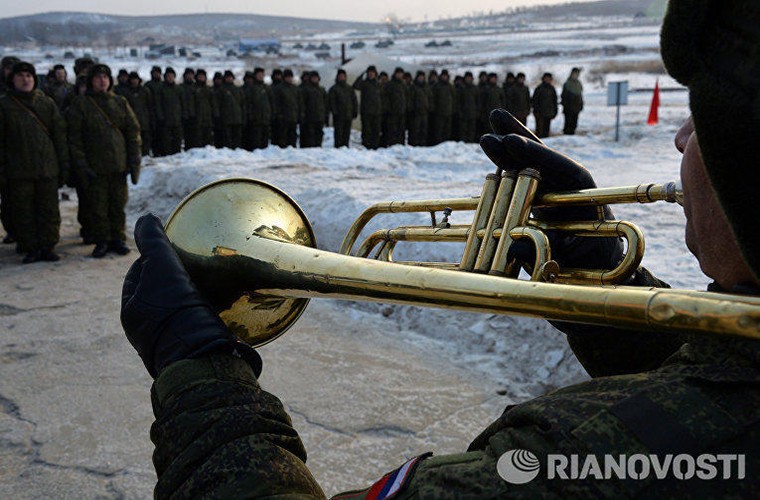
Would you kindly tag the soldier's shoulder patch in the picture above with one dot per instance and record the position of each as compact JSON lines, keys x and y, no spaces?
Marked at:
{"x":388,"y":486}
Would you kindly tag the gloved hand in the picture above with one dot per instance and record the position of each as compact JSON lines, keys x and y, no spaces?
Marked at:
{"x":164,"y":316}
{"x":514,"y":147}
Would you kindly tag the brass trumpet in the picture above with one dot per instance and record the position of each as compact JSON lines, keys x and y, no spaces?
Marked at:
{"x":252,"y":252}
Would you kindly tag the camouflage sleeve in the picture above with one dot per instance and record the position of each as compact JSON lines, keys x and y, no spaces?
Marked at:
{"x":158,"y":105}
{"x":74,"y":119}
{"x":59,"y":139}
{"x":605,"y":351}
{"x":218,"y":434}
{"x":132,"y":136}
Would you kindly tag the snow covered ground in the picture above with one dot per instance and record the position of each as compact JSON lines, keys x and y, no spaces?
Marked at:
{"x":417,"y":379}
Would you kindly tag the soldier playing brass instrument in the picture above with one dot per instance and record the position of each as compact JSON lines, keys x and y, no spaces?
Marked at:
{"x":218,"y":433}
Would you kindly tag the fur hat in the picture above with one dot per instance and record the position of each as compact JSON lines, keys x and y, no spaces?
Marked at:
{"x":287,"y":73}
{"x":99,"y":69}
{"x":713,"y":47}
{"x":22,"y":66}
{"x":134,"y":76}
{"x":169,"y":69}
{"x":229,"y":73}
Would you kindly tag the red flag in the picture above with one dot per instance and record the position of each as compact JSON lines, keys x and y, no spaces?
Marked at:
{"x":653,"y":118}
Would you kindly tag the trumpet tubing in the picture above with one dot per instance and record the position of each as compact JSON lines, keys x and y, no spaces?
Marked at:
{"x":251,"y":251}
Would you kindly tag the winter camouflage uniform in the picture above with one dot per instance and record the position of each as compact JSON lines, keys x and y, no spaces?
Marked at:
{"x":344,"y":108}
{"x":218,"y":433}
{"x":190,"y":115}
{"x":60,"y":92}
{"x":468,"y":112}
{"x":314,"y":115}
{"x":419,"y":107}
{"x":169,"y":112}
{"x":371,"y":109}
{"x":259,"y":109}
{"x":518,"y":101}
{"x":544,"y":108}
{"x":491,"y":97}
{"x":104,"y":140}
{"x":397,"y":105}
{"x":289,"y":111}
{"x":572,"y":104}
{"x":141,"y":102}
{"x":154,"y":87}
{"x":34,"y":162}
{"x":205,"y":114}
{"x":443,"y":97}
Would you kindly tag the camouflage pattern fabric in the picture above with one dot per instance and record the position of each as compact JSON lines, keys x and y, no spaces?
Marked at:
{"x":205,"y":114}
{"x":218,"y":434}
{"x":518,"y":101}
{"x":36,"y":218}
{"x":141,"y":102}
{"x":344,"y":107}
{"x":315,"y":107}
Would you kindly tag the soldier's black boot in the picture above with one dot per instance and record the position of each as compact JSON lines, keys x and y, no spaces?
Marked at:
{"x":33,"y":256}
{"x":49,"y":255}
{"x":100,"y":250}
{"x":118,"y":247}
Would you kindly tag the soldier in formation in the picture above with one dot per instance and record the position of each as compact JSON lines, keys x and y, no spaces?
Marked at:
{"x":544,"y":105}
{"x":344,"y":108}
{"x":34,"y":163}
{"x":260,"y":108}
{"x":371,"y":107}
{"x":653,"y":398}
{"x":572,"y":101}
{"x":315,"y":106}
{"x":289,"y":110}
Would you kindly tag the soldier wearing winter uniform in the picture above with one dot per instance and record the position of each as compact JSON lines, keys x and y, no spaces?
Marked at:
{"x":572,"y":101}
{"x":141,"y":102}
{"x":231,"y":111}
{"x":216,"y":94}
{"x":169,"y":113}
{"x":315,"y":112}
{"x":686,"y":399}
{"x":544,"y":105}
{"x":443,"y":108}
{"x":344,"y":108}
{"x":432,"y":80}
{"x":276,"y":81}
{"x":34,"y":163}
{"x":483,"y":127}
{"x":122,"y":83}
{"x":190,"y":109}
{"x":518,"y":99}
{"x":154,"y":87}
{"x":259,"y":102}
{"x":204,"y":110}
{"x":468,"y":109}
{"x":370,"y":107}
{"x":491,"y":97}
{"x":5,"y":208}
{"x":395,"y":91}
{"x":58,"y":88}
{"x":104,"y":140}
{"x":289,"y":108}
{"x":419,"y":107}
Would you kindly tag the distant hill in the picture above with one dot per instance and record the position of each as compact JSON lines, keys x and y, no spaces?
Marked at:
{"x":78,"y":28}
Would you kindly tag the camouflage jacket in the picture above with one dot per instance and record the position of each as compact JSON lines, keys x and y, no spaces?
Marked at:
{"x":259,"y":103}
{"x":288,"y":102}
{"x":371,"y":100}
{"x":231,"y":101}
{"x":468,"y":101}
{"x":572,"y":96}
{"x":396,"y":92}
{"x":218,"y":434}
{"x":518,"y":100}
{"x":32,"y":137}
{"x":141,"y":102}
{"x":168,"y":100}
{"x":545,"y":100}
{"x":491,"y":97}
{"x":343,"y":102}
{"x":59,"y":92}
{"x":189,"y":100}
{"x":443,"y":98}
{"x":104,"y":134}
{"x":205,"y":110}
{"x":314,"y":103}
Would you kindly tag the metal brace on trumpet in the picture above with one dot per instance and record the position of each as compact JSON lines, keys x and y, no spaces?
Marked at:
{"x":675,"y":373}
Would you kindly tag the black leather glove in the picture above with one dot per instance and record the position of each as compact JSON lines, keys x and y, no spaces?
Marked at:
{"x":514,"y":147}
{"x":163,"y":314}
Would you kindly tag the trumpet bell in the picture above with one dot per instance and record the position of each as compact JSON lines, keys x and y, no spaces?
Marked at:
{"x":213,"y":231}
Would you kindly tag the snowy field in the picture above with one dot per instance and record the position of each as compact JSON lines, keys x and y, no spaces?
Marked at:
{"x":517,"y":358}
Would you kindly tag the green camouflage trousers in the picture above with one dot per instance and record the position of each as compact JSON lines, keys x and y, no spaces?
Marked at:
{"x":105,"y":198}
{"x":34,"y":207}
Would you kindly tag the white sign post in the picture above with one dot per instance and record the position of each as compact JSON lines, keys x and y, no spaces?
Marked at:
{"x":617,"y":95}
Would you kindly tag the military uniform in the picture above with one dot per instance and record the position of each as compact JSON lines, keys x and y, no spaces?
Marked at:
{"x":419,"y":108}
{"x":141,"y":102}
{"x":468,"y":112}
{"x":443,"y":97}
{"x":652,"y":394}
{"x":289,"y":112}
{"x":396,"y":111}
{"x":518,"y":101}
{"x":104,"y":139}
{"x":491,"y":97}
{"x":60,"y":92}
{"x":34,"y":163}
{"x":169,"y":111}
{"x":205,"y":114}
{"x":154,"y":87}
{"x":572,"y":104}
{"x":314,"y":115}
{"x":544,"y":108}
{"x":344,"y":108}
{"x":190,"y":115}
{"x":371,"y":109}
{"x":259,"y":110}
{"x":231,"y":107}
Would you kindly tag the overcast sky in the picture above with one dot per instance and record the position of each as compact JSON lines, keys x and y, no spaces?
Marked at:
{"x":358,"y":10}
